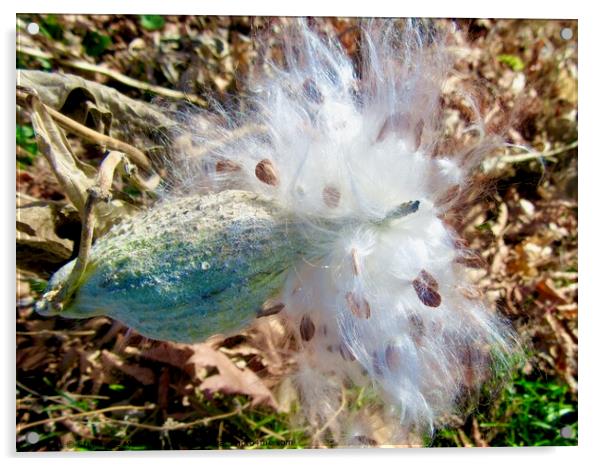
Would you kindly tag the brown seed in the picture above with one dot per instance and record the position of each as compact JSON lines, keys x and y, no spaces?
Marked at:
{"x":417,"y":329}
{"x":418,"y":135}
{"x":468,"y":362}
{"x":472,"y":260}
{"x":460,"y":243}
{"x":266,"y":173}
{"x":401,"y":125}
{"x":227,"y":166}
{"x":307,"y":328}
{"x":417,"y":324}
{"x":376,"y":364}
{"x":393,"y":357}
{"x":426,"y":293}
{"x":397,"y":123}
{"x":429,"y":280}
{"x":270,"y":310}
{"x":312,"y":92}
{"x":358,"y":306}
{"x":364,"y":440}
{"x":346,"y":353}
{"x":355,"y":262}
{"x":472,"y":293}
{"x":331,"y":196}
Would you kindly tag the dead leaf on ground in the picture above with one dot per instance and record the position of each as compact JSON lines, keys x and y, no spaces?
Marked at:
{"x":142,"y":374}
{"x":37,"y":238}
{"x":230,"y":379}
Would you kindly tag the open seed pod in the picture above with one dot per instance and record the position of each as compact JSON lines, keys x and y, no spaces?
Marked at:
{"x":338,"y":210}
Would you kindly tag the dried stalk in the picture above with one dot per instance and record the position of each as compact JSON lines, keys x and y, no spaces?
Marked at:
{"x":100,"y":192}
{"x":87,"y":413}
{"x":181,"y":426}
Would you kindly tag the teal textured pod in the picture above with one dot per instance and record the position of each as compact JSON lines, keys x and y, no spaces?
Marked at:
{"x":188,"y":268}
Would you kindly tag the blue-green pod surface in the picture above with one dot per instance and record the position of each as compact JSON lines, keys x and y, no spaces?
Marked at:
{"x":188,"y":268}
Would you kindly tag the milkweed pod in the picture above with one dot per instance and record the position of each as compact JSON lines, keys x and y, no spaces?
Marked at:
{"x":187,"y":269}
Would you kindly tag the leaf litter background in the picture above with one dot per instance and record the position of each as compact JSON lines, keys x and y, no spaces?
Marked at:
{"x":95,"y":385}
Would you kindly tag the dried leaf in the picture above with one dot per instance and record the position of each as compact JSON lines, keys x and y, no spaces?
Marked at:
{"x":57,"y":150}
{"x":547,"y":290}
{"x":38,"y":245}
{"x":75,"y":177}
{"x":99,"y":107}
{"x":176,"y":355}
{"x":230,"y":379}
{"x":142,"y":374}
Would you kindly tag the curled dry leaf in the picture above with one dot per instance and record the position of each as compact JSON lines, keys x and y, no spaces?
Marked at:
{"x":230,"y":379}
{"x":37,"y":240}
{"x":99,"y":107}
{"x":165,"y":352}
{"x":75,"y":177}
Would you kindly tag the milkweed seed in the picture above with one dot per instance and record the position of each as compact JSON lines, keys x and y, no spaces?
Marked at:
{"x":376,"y":364}
{"x":355,"y":262}
{"x":471,"y":260}
{"x":393,"y":357}
{"x":429,"y":280}
{"x":331,"y":196}
{"x":471,"y":292}
{"x":397,"y":123}
{"x":418,"y":134}
{"x":426,"y":288}
{"x":346,"y":353}
{"x":460,"y":243}
{"x":307,"y":328}
{"x":227,"y":166}
{"x":271,"y":310}
{"x":417,"y":328}
{"x":312,"y":92}
{"x":359,"y":307}
{"x":364,"y":440}
{"x":266,"y":173}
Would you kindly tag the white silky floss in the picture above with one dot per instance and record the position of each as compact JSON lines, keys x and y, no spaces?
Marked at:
{"x":380,"y":299}
{"x":344,"y":171}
